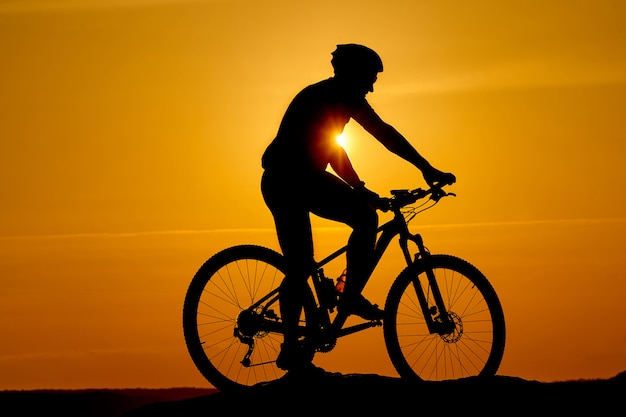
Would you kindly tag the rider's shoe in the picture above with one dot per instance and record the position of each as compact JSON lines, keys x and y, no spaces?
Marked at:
{"x":294,"y":357}
{"x":359,"y":306}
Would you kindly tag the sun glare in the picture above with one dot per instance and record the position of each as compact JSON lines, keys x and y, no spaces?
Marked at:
{"x":341,"y":140}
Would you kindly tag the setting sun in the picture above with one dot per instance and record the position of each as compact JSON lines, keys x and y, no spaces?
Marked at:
{"x":341,"y":140}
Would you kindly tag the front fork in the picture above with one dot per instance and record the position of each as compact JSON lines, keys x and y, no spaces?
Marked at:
{"x":437,"y":318}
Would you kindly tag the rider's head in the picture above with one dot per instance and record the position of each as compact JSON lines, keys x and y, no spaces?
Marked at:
{"x":357,"y":64}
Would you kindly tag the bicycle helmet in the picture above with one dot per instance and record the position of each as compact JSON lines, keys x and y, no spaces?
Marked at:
{"x":352,"y":59}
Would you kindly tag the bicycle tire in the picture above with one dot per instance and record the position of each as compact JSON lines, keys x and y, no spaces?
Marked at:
{"x":225,"y":286}
{"x":474,"y":348}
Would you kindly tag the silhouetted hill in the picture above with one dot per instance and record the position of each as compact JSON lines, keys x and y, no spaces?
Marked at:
{"x":373,"y":395}
{"x":88,"y":403}
{"x":334,"y":395}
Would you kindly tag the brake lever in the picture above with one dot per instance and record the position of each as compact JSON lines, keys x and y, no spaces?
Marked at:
{"x":439,"y":194}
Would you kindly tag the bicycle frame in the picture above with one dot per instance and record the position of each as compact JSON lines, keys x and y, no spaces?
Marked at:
{"x":436,"y":317}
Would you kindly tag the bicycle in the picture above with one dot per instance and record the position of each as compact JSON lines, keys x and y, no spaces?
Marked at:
{"x":442,"y":318}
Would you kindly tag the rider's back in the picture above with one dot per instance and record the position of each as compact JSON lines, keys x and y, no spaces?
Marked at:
{"x":306,"y":138}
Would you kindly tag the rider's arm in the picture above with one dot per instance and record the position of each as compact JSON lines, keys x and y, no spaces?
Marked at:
{"x":390,"y":138}
{"x":340,"y":163}
{"x":396,"y":143}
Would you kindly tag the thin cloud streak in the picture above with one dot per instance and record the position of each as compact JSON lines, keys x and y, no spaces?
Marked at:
{"x":135,"y":234}
{"x":318,"y":229}
{"x":517,"y":75}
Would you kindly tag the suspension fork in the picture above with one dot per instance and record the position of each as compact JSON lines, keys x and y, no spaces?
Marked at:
{"x":436,"y":316}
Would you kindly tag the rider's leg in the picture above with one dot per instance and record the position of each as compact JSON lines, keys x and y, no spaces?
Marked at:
{"x":338,"y":201}
{"x":360,"y":252}
{"x":359,"y":264}
{"x":293,"y":227}
{"x":291,"y":294}
{"x":297,"y":250}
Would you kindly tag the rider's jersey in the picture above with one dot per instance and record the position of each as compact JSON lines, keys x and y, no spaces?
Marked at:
{"x":307,"y":137}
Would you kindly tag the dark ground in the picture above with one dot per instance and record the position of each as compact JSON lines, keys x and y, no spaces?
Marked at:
{"x":88,"y":403}
{"x":335,"y":395}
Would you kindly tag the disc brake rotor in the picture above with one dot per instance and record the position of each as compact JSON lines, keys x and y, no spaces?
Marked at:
{"x":457,"y":332}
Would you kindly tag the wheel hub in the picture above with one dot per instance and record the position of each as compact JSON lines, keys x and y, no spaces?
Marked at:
{"x":455,"y":333}
{"x":249,"y":325}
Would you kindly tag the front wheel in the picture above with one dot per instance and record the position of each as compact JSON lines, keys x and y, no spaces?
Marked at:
{"x":231,"y":317}
{"x":475,"y":344}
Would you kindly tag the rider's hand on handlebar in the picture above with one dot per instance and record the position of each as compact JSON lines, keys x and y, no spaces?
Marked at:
{"x":434,"y":177}
{"x":383,"y":204}
{"x":368,"y":195}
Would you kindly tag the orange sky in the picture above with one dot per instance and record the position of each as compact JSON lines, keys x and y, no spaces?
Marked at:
{"x":131,"y":141}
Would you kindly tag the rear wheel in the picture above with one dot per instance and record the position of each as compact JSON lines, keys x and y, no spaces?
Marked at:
{"x":473,"y":346}
{"x":231,"y":317}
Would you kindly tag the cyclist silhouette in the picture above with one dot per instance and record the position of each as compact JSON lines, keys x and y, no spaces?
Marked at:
{"x":296,"y":183}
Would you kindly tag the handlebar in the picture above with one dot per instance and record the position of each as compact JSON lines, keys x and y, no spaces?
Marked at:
{"x":404,"y":197}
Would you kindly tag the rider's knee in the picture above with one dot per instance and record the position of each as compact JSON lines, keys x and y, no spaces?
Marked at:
{"x":366,"y":219}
